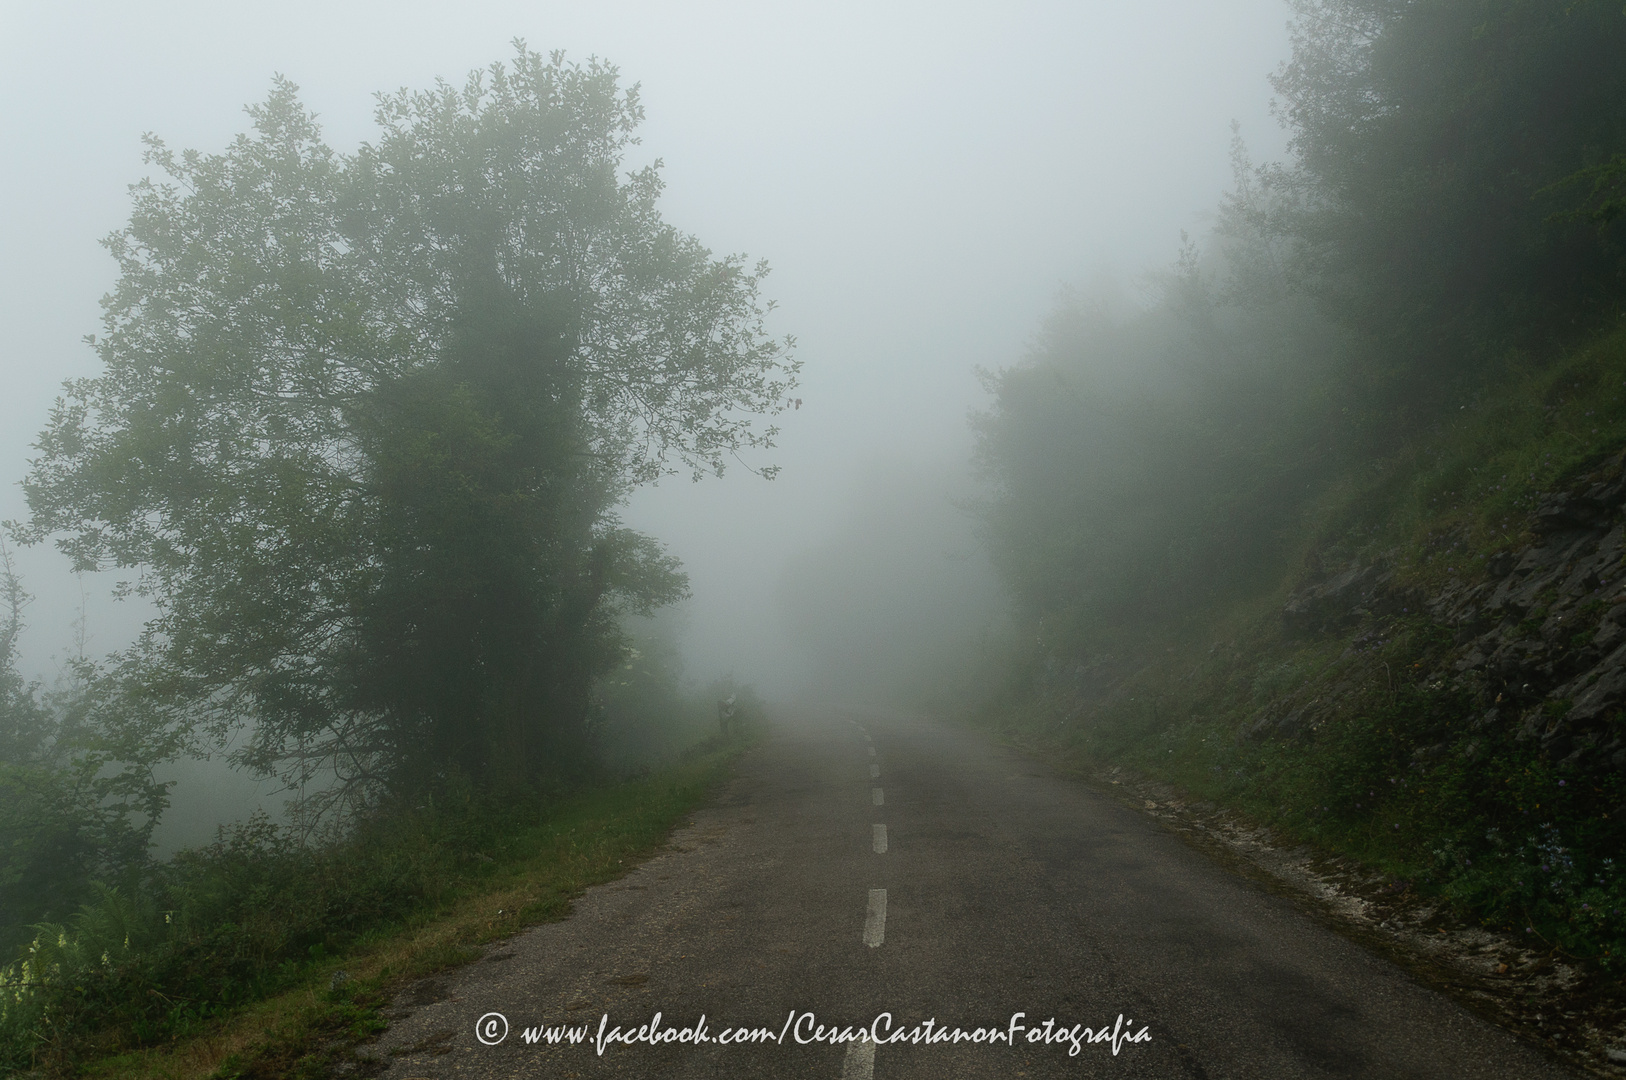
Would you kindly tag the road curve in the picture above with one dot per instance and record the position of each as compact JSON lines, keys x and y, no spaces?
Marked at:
{"x":862,"y":863}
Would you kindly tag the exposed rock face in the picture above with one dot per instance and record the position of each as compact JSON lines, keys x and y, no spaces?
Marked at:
{"x":1340,"y":600}
{"x":1542,"y":634}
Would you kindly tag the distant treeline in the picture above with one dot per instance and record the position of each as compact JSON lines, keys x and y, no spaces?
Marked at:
{"x":1451,"y":208}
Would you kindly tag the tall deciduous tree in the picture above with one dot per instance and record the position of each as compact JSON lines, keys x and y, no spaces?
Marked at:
{"x":365,"y":418}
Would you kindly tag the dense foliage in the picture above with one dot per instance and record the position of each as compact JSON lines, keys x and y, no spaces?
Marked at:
{"x":75,"y":808}
{"x":1432,"y":142}
{"x":365,"y":419}
{"x":1141,"y":460}
{"x":362,"y":429}
{"x":259,"y":911}
{"x":1452,"y":192}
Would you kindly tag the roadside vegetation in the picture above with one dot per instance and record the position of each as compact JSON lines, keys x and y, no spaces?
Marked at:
{"x":261,"y":956}
{"x":1329,"y":532}
{"x":363,"y":425}
{"x":182,"y":966}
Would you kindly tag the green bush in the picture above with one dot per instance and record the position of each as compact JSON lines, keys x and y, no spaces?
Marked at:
{"x":261,"y":910}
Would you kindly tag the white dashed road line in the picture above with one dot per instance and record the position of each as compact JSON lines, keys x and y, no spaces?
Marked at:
{"x":859,"y":1063}
{"x":875,"y":919}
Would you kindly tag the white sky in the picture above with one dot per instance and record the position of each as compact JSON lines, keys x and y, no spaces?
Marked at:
{"x":921,"y":176}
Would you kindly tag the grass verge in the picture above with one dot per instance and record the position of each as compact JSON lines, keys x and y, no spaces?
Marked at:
{"x":524,"y":869}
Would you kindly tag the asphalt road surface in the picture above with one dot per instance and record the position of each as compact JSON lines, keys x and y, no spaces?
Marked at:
{"x":867,"y":871}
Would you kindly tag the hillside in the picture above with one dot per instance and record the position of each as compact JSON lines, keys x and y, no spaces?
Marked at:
{"x":1430,"y":687}
{"x":1331,"y":531}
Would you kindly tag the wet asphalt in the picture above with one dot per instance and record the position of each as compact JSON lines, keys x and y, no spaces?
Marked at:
{"x":995,"y":889}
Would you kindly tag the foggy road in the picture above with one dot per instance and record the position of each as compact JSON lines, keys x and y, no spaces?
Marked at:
{"x":862,"y":864}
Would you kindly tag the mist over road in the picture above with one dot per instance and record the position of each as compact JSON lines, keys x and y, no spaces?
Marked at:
{"x":863,"y":863}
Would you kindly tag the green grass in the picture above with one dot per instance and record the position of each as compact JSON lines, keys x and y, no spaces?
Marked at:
{"x":1446,"y":502}
{"x":229,"y":970}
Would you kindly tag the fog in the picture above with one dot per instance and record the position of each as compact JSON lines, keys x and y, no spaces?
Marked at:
{"x":923,"y":178}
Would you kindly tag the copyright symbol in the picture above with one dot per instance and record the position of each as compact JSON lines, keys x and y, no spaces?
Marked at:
{"x":491,"y":1029}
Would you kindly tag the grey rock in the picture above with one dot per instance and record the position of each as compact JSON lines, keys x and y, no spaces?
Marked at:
{"x":1292,"y":723}
{"x":1334,"y":600}
{"x":1605,"y":691}
{"x":1609,"y":632}
{"x":1564,"y":510}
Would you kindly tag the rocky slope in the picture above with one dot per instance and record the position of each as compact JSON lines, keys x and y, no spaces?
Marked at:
{"x":1538,"y":633}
